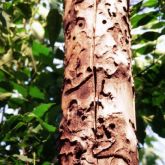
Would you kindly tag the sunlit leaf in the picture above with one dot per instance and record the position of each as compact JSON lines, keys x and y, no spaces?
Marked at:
{"x":40,"y":110}
{"x":146,"y":49}
{"x":23,"y":158}
{"x":4,"y":96}
{"x":135,"y":9}
{"x":150,"y":3}
{"x":6,"y":58}
{"x":143,"y":19}
{"x":44,"y":124}
{"x":158,"y":24}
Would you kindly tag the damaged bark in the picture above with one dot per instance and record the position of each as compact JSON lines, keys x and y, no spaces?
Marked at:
{"x":98,"y":124}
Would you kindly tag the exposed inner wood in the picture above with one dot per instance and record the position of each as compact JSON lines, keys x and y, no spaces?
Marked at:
{"x":98,"y":125}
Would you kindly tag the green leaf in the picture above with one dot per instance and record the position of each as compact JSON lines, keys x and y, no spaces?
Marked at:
{"x":19,"y":125}
{"x":2,"y":90}
{"x":22,"y":90}
{"x":2,"y":47}
{"x":158,"y":24}
{"x":150,"y":36}
{"x":149,"y":140}
{"x":2,"y":76}
{"x":150,"y":3}
{"x":40,"y":110}
{"x":20,"y":75}
{"x":36,"y":93}
{"x":145,"y":49}
{"x":46,"y":163}
{"x":158,"y":98}
{"x":143,"y":19}
{"x":16,"y":102}
{"x":54,"y":20}
{"x":42,"y":53}
{"x":37,"y":129}
{"x":44,"y":124}
{"x":39,"y":49}
{"x":48,"y":127}
{"x":136,"y":8}
{"x":11,"y":123}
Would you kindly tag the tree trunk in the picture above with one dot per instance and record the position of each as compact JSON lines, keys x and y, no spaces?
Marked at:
{"x":98,"y":125}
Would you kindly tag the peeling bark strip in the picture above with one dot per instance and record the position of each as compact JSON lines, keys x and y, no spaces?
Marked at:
{"x":98,"y":125}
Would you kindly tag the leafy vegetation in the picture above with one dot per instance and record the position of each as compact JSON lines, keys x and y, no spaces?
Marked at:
{"x":31,"y":77}
{"x":148,"y":20}
{"x":30,"y":83}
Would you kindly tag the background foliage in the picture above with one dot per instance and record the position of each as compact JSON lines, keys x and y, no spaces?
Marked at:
{"x":31,"y":77}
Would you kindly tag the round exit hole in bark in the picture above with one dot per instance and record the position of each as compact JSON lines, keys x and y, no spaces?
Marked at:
{"x":112,"y":126}
{"x":80,"y":21}
{"x":124,"y":8}
{"x":83,"y":118}
{"x":127,"y":41}
{"x":100,"y":120}
{"x":108,"y":134}
{"x":74,"y":37}
{"x":127,"y":141}
{"x":80,"y":24}
{"x":114,"y":14}
{"x":68,"y":122}
{"x":104,"y":21}
{"x":89,"y":69}
{"x":78,"y":154}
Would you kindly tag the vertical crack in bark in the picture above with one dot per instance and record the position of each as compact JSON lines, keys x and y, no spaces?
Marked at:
{"x":94,"y":67}
{"x":95,"y":99}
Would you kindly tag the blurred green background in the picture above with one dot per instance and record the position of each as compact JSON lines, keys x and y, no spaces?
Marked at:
{"x":31,"y":78}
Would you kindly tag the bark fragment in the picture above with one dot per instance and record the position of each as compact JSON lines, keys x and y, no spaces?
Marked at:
{"x":98,"y":125}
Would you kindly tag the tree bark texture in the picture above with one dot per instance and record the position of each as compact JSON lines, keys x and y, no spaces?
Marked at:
{"x":98,"y":125}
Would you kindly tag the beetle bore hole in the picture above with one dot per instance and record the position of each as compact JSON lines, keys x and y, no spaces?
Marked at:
{"x":80,"y":24}
{"x":83,"y":118}
{"x":104,"y":21}
{"x":127,"y":141}
{"x":68,"y":122}
{"x":101,"y":120}
{"x":112,"y":125}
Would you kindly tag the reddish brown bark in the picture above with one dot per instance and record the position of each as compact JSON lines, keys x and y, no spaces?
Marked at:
{"x":98,"y":125}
